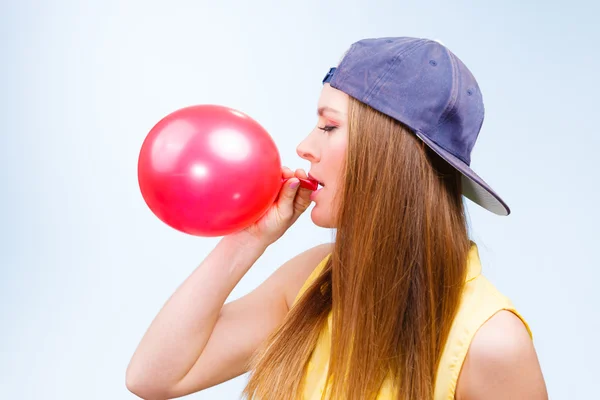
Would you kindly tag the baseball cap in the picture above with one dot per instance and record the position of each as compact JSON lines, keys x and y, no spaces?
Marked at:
{"x":422,"y":84}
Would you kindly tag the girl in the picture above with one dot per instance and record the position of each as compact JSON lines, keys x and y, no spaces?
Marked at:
{"x":396,"y":307}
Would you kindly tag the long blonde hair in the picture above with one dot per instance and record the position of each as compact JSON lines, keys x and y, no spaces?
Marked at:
{"x":394,"y":278}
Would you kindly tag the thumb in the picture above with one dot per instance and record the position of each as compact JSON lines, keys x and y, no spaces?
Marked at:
{"x":288,"y":194}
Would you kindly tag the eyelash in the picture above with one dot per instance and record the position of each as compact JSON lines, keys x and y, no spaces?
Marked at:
{"x":328,"y":128}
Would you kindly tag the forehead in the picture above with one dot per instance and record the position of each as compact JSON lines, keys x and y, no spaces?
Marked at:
{"x":332,"y":100}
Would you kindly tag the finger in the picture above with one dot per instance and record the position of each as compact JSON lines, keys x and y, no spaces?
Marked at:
{"x":301,"y":174}
{"x":302,"y":201}
{"x":307,"y":186}
{"x":305,"y":182}
{"x":286,"y":173}
{"x":285,"y":201}
{"x":288,"y":193}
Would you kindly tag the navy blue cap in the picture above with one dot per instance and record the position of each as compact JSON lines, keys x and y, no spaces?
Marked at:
{"x":420,"y":83}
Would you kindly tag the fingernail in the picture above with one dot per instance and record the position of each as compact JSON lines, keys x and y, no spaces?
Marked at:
{"x":295,"y":184}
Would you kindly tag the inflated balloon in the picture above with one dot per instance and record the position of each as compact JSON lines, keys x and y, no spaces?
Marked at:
{"x":209,"y":170}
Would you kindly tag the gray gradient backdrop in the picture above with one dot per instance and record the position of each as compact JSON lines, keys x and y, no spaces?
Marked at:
{"x":86,"y":266}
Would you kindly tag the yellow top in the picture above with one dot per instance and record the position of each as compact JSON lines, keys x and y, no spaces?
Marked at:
{"x":480,"y":301}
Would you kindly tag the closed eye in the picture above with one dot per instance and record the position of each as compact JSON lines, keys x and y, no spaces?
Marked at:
{"x":328,"y":128}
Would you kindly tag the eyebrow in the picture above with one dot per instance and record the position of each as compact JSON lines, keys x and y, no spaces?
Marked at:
{"x":321,"y":110}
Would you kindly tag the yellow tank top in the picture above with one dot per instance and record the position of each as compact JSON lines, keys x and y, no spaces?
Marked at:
{"x":480,"y":301}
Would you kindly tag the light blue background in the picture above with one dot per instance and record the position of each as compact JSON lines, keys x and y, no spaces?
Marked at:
{"x":86,"y":266}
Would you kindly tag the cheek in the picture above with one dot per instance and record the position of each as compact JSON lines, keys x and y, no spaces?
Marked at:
{"x":336,"y":156}
{"x":325,"y":213}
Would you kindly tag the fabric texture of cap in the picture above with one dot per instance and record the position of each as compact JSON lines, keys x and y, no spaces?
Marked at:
{"x":422,"y":84}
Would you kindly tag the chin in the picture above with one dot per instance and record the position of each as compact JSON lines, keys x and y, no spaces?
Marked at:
{"x":321,"y":218}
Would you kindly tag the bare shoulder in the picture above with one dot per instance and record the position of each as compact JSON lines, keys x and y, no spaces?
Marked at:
{"x":296,"y":270}
{"x":501,"y":363}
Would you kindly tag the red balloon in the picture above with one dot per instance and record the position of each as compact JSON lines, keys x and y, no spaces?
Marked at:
{"x":209,"y":170}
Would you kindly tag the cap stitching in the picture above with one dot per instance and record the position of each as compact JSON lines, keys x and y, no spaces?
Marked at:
{"x":392,"y":64}
{"x":451,"y":110}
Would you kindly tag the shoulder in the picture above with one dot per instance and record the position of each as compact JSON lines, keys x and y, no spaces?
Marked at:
{"x":501,"y":362}
{"x":297,"y":270}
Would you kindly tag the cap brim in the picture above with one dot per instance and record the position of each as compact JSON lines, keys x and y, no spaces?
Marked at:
{"x":474,"y":188}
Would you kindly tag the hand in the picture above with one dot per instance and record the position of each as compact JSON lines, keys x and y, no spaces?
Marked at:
{"x":289,"y":205}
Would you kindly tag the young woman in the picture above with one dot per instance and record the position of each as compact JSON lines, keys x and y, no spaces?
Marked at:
{"x":397,"y":307}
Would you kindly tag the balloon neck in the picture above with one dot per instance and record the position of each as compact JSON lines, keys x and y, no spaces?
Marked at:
{"x":305,"y":183}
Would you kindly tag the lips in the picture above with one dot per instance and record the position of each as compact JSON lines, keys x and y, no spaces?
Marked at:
{"x":314,"y":179}
{"x":315,"y":193}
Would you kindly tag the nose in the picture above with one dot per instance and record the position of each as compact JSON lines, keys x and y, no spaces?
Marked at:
{"x":307,"y":150}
